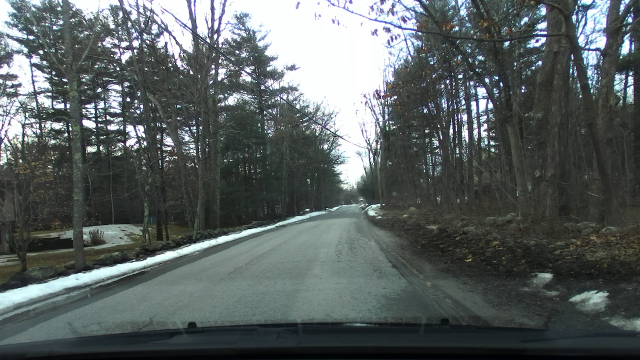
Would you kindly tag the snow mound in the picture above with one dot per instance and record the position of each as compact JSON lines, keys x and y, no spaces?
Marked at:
{"x":11,"y":299}
{"x":591,"y":301}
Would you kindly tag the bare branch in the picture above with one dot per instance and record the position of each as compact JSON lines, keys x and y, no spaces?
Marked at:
{"x":448,"y":36}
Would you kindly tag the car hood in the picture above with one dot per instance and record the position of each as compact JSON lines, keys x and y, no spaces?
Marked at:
{"x":335,"y":338}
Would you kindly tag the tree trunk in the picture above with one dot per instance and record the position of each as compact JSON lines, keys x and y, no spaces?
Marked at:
{"x":635,"y":33}
{"x":598,"y":114}
{"x":549,"y":109}
{"x":76,"y":140}
{"x":470,"y":145}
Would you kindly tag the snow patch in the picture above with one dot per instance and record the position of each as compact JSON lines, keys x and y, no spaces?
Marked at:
{"x":115,"y":234}
{"x":541,"y":279}
{"x":374,"y":211}
{"x":538,"y":281}
{"x":591,"y":301}
{"x":12,"y":299}
{"x":625,"y":324}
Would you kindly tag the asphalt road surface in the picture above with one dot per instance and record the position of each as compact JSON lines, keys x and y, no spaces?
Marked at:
{"x":330,"y":268}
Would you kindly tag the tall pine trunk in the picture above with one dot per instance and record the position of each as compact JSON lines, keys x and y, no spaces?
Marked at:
{"x":76,"y":140}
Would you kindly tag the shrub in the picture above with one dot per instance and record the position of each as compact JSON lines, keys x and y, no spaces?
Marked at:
{"x":96,"y":237}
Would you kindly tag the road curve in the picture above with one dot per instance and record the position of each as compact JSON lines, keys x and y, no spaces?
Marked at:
{"x":325,"y":269}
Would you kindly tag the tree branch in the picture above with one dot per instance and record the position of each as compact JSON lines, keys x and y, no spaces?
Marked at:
{"x":444,"y":35}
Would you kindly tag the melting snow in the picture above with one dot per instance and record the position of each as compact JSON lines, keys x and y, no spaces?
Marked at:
{"x":11,"y":299}
{"x":116,"y":234}
{"x":591,"y":301}
{"x":538,"y":281}
{"x":625,"y":324}
{"x":541,"y":279}
{"x":374,"y":210}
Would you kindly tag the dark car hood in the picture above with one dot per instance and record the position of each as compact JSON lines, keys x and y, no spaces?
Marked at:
{"x":334,"y":339}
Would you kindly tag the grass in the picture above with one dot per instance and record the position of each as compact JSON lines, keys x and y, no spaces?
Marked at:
{"x":59,"y":258}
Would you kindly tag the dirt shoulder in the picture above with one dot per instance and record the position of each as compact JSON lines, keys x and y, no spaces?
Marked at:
{"x":496,"y":266}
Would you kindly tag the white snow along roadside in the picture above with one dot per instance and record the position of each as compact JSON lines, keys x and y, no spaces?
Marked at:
{"x":591,"y":301}
{"x":374,"y":211}
{"x":12,"y":299}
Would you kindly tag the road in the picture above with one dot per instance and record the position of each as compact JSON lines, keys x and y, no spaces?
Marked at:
{"x":328,"y":268}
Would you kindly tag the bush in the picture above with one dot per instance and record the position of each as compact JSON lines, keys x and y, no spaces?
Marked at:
{"x":96,"y":237}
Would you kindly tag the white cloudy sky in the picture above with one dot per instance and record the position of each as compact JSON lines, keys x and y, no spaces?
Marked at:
{"x":337,"y":63}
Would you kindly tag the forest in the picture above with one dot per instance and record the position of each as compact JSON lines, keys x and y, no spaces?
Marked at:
{"x":492,"y":107}
{"x":124,"y":119}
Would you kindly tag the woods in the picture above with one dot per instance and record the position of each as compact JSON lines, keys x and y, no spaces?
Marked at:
{"x":128,"y":119}
{"x":495,"y":106}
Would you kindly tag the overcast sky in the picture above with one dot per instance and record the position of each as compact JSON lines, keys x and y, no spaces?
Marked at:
{"x":337,"y":63}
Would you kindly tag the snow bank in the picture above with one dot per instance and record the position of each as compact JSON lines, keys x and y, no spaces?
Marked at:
{"x":11,"y":299}
{"x":591,"y":301}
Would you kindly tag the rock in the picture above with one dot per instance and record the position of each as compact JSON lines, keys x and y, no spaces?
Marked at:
{"x":169,"y":245}
{"x":127,"y":256}
{"x":137,"y":252}
{"x":10,"y":284}
{"x":70,"y":265}
{"x":87,"y":268}
{"x":559,"y":244}
{"x":117,"y":257}
{"x":463,"y":224}
{"x":599,"y":255}
{"x":450,"y":217}
{"x":65,"y":272}
{"x":42,"y":272}
{"x":469,"y":230}
{"x":573,"y":241}
{"x":490,"y":221}
{"x":412,"y":211}
{"x":569,"y":226}
{"x":586,"y":225}
{"x":586,"y":232}
{"x":104,"y":260}
{"x":23,"y":278}
{"x":610,"y":230}
{"x":156,"y":246}
{"x":405,"y":216}
{"x":510,"y":218}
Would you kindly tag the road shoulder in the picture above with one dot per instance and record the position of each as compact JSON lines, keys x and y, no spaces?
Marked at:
{"x":500,"y":301}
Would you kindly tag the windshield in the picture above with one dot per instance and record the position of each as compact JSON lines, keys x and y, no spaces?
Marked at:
{"x":251,"y":162}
